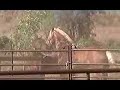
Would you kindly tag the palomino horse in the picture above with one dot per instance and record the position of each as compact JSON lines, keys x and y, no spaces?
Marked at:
{"x":59,"y":39}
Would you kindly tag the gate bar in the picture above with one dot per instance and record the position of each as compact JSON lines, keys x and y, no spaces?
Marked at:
{"x":60,"y":71}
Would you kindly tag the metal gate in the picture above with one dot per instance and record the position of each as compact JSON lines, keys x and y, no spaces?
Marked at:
{"x":70,"y":64}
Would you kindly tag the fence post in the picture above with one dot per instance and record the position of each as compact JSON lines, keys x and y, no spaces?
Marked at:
{"x":12,"y":61}
{"x":70,"y":60}
{"x":88,"y":76}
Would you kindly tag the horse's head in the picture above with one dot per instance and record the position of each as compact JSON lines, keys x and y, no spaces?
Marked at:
{"x":58,"y":38}
{"x":51,"y":38}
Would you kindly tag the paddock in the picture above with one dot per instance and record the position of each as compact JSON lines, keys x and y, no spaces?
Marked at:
{"x":16,"y":68}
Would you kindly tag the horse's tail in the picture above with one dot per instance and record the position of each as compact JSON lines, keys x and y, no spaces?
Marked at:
{"x":111,"y":61}
{"x":110,"y":57}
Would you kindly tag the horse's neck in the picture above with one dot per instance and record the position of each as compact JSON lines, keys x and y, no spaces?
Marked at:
{"x":59,"y":45}
{"x":61,"y":41}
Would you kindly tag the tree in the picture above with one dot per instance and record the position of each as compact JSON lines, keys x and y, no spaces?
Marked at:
{"x":32,"y":22}
{"x":78,"y":23}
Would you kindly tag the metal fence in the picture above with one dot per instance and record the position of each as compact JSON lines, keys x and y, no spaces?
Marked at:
{"x":70,"y":63}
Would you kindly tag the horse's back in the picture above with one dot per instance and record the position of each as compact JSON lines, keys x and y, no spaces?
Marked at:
{"x":90,"y":56}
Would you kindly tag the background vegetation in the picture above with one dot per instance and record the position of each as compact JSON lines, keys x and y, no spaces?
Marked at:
{"x":32,"y":26}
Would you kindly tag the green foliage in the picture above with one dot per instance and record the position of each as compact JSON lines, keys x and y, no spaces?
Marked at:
{"x":34,"y":20}
{"x":30,"y":23}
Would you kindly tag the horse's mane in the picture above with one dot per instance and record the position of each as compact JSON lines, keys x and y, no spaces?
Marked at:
{"x":64,"y":34}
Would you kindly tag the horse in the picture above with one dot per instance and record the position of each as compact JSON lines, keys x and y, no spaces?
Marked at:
{"x":59,"y":40}
{"x":38,"y":44}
